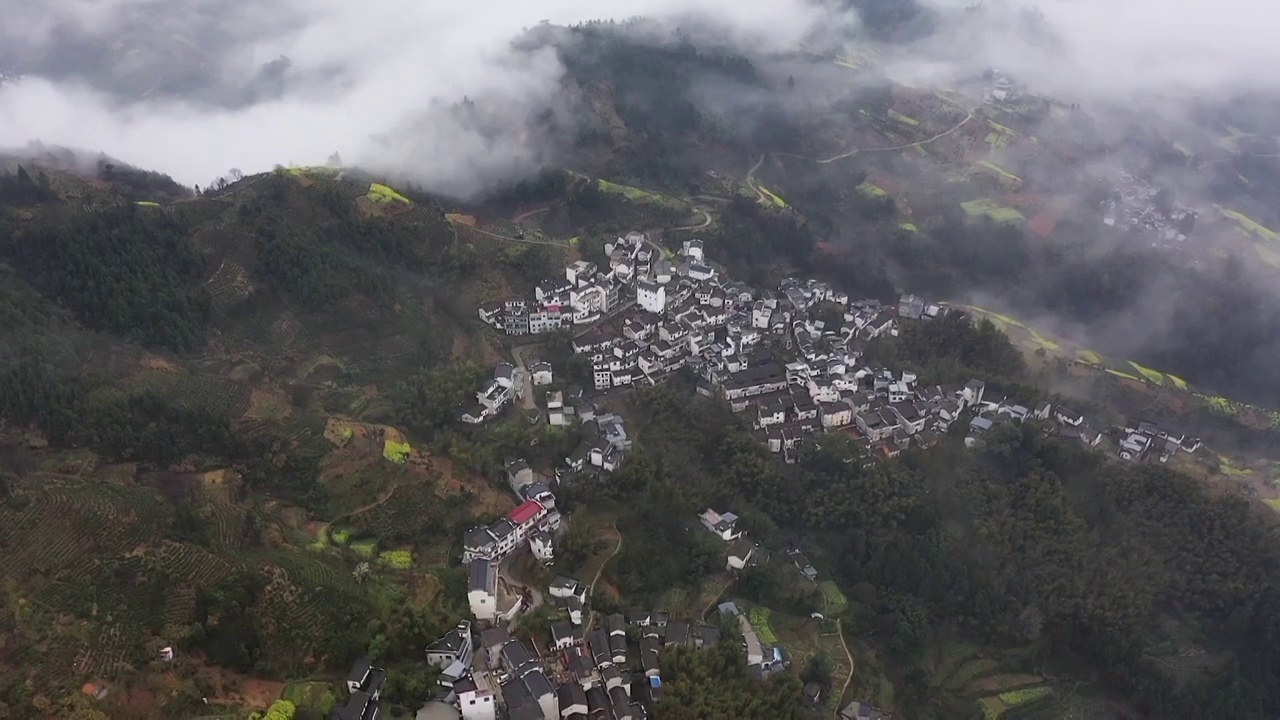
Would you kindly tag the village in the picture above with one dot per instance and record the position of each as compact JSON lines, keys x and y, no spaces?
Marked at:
{"x":790,"y":363}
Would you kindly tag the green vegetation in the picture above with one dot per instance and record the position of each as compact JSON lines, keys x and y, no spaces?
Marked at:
{"x":993,"y":210}
{"x":835,"y":599}
{"x":1021,"y":697}
{"x":872,"y":191}
{"x":146,"y":203}
{"x":396,"y":559}
{"x":715,"y":684}
{"x":364,"y":548}
{"x":773,"y":197}
{"x":382,"y":195}
{"x":396,"y":452}
{"x":635,"y":194}
{"x":759,"y":617}
{"x":895,"y":115}
{"x":909,"y":227}
{"x":1146,"y":372}
{"x":1004,"y":174}
{"x":316,"y":698}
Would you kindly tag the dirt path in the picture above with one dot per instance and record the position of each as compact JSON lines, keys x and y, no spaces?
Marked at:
{"x":507,"y":238}
{"x":527,"y":402}
{"x":848,"y":656}
{"x":385,"y":496}
{"x":525,"y":215}
{"x":706,"y":220}
{"x":719,"y":594}
{"x":599,"y":570}
{"x":504,"y":577}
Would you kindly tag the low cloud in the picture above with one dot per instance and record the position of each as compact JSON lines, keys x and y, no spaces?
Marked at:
{"x":1109,"y":50}
{"x":180,"y":85}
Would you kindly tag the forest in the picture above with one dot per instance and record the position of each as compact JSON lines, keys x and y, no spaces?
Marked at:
{"x":1026,"y":541}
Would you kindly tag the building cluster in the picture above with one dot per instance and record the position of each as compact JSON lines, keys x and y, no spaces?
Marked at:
{"x":585,"y":294}
{"x":1146,"y":439}
{"x":532,"y":524}
{"x":1135,"y":205}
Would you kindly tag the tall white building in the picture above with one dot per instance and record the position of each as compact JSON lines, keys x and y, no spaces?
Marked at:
{"x":651,"y":296}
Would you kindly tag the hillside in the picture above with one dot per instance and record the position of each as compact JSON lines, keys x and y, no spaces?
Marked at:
{"x":201,"y":442}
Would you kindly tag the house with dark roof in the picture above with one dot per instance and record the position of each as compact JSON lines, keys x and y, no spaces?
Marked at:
{"x":677,"y":634}
{"x":562,"y":635}
{"x":573,"y":700}
{"x":493,"y":640}
{"x":739,"y":555}
{"x":482,"y":590}
{"x":454,"y":647}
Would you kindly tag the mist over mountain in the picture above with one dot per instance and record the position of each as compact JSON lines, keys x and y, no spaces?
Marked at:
{"x":192,"y":87}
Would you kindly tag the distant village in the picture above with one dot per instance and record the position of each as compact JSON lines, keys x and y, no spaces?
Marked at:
{"x":650,"y":314}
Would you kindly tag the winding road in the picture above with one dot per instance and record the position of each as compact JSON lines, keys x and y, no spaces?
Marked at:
{"x":751,"y":183}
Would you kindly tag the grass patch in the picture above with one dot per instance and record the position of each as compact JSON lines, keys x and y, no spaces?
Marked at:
{"x":872,"y":191}
{"x":396,"y":559}
{"x":1177,"y":381}
{"x":1273,"y":503}
{"x":993,"y":210}
{"x":396,"y":452}
{"x":1004,"y":174}
{"x":992,"y":707}
{"x":635,"y":194}
{"x":321,"y":542}
{"x":365,"y":548}
{"x":1125,"y":375}
{"x":1148,"y":373}
{"x":909,"y":227}
{"x":146,"y":203}
{"x":1015,"y":698}
{"x":836,"y":601}
{"x":759,"y":619}
{"x":1089,"y":356}
{"x":906,"y":119}
{"x":382,"y":195}
{"x":1003,"y":129}
{"x":1249,"y":225}
{"x":773,"y":198}
{"x":1226,"y":467}
{"x":315,"y":696}
{"x":340,"y":535}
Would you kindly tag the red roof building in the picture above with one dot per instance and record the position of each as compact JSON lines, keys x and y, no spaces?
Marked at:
{"x":527,"y":512}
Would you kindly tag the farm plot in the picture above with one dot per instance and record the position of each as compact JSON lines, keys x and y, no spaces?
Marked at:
{"x":993,"y":210}
{"x":759,"y":618}
{"x":414,"y":512}
{"x":836,"y":602}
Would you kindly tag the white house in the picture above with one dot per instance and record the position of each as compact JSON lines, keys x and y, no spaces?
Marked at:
{"x":454,"y":647}
{"x":541,"y":373}
{"x":835,"y":414}
{"x":482,"y":594}
{"x":692,"y":249}
{"x":723,"y":525}
{"x":651,"y":296}
{"x":541,"y":546}
{"x":475,"y":698}
{"x":563,"y":587}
